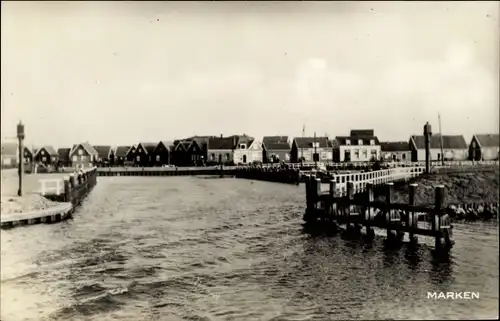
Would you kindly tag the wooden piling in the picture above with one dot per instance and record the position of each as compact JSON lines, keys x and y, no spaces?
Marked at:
{"x":350,"y":197}
{"x":389,"y":189}
{"x":412,"y":220}
{"x":438,"y":207}
{"x":67,"y":190}
{"x":370,"y":233}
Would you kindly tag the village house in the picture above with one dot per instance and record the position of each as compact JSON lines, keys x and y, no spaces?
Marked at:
{"x":121,"y":155}
{"x":221,"y":150}
{"x":28,"y":156}
{"x":360,"y":146}
{"x":198,"y":150}
{"x":454,"y":148}
{"x":46,"y":155}
{"x":105,"y":155}
{"x":161,"y":153}
{"x":130,"y":155}
{"x":247,"y":150}
{"x":10,"y":154}
{"x":275,"y":149}
{"x":63,"y":157}
{"x":144,"y":154}
{"x":484,"y":147}
{"x":395,"y":151}
{"x":83,"y":155}
{"x":311,"y":149}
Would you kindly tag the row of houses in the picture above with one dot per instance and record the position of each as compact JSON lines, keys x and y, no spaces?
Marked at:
{"x":360,"y":145}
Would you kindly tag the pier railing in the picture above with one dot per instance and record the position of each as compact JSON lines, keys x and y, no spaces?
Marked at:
{"x":363,"y":210}
{"x":72,"y":188}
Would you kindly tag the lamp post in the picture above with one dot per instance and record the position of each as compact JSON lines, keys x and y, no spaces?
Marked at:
{"x":20,"y":137}
{"x":427,"y":137}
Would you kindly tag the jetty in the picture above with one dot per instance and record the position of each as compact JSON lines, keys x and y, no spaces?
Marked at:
{"x":334,"y":208}
{"x":68,"y":193}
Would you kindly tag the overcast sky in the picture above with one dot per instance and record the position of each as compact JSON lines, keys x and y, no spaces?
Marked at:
{"x":123,"y":72}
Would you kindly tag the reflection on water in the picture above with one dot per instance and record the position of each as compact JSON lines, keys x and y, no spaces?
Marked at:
{"x":183,"y":248}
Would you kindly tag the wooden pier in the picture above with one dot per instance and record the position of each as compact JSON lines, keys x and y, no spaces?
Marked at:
{"x":355,"y":211}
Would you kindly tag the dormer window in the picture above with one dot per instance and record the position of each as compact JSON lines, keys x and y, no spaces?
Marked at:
{"x":372,"y":142}
{"x":360,"y":142}
{"x":348,"y":142}
{"x":80,"y":152}
{"x":243,"y":146}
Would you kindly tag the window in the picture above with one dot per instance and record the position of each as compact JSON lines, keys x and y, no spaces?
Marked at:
{"x":138,"y":158}
{"x":323,"y":154}
{"x":227,"y":156}
{"x":243,"y":146}
{"x":157,"y":158}
{"x":212,"y":157}
{"x":348,"y":142}
{"x":365,"y":153}
{"x":356,"y":153}
{"x":360,"y":142}
{"x":75,"y":158}
{"x":372,"y":142}
{"x":42,"y":152}
{"x":44,"y":159}
{"x":403,"y":156}
{"x":80,"y":152}
{"x":83,"y":158}
{"x":287,"y":156}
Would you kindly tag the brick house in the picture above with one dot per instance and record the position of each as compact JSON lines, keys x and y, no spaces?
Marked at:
{"x":484,"y":147}
{"x":144,"y":154}
{"x":105,"y":155}
{"x":360,"y":146}
{"x":46,"y":155}
{"x":310,"y":149}
{"x":64,"y":159}
{"x":161,"y":153}
{"x":454,"y":148}
{"x":275,"y":149}
{"x":83,"y":155}
{"x":395,"y":151}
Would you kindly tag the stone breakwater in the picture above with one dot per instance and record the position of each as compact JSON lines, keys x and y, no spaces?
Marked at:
{"x":469,"y":195}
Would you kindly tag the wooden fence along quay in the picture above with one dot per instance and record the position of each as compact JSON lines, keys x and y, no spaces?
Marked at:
{"x":336,"y":207}
{"x":69,"y":192}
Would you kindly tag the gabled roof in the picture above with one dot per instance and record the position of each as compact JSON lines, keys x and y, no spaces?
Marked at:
{"x":121,"y":151}
{"x":362,"y":133}
{"x":165,"y":144}
{"x":354,"y":140}
{"x":148,"y":147}
{"x":449,"y":141}
{"x":488,"y":140}
{"x":131,"y":149}
{"x":307,"y":142}
{"x":276,"y":145}
{"x":63,"y":153}
{"x":9,"y":149}
{"x":89,"y":148}
{"x":395,"y":146}
{"x":221,"y":143}
{"x":49,"y":149}
{"x":103,"y":151}
{"x":275,"y":139}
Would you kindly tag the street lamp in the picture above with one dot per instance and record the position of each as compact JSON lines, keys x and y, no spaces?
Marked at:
{"x":20,"y":137}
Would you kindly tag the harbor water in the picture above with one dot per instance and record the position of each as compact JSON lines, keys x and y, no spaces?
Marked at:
{"x":192,"y":248}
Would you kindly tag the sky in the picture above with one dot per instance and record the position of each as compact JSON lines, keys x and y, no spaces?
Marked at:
{"x":120,"y":73}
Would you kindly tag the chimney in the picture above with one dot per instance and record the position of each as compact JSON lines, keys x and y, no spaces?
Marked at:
{"x":234,"y":140}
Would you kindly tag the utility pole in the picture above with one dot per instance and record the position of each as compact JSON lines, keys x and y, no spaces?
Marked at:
{"x":441,"y":138}
{"x":301,"y":146}
{"x":427,"y":137}
{"x":20,"y":137}
{"x":315,"y":151}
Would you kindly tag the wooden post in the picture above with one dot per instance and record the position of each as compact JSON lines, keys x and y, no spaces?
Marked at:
{"x":20,"y":169}
{"x":412,"y":221}
{"x":438,"y":207}
{"x":331,"y":199}
{"x":388,"y":198}
{"x":308,"y":192}
{"x":350,"y":197}
{"x":370,"y":233}
{"x":67,"y":190}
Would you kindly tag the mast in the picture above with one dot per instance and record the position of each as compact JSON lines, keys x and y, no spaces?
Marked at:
{"x":315,"y":151}
{"x":441,"y":139}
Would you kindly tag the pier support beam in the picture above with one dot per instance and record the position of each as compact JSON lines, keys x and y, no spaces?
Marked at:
{"x":436,"y":218}
{"x":370,"y":233}
{"x":412,"y":219}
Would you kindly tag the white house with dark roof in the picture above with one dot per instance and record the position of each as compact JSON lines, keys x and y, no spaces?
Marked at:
{"x":83,"y":155}
{"x":454,"y":148}
{"x":360,"y":146}
{"x":484,"y":147}
{"x":395,"y":151}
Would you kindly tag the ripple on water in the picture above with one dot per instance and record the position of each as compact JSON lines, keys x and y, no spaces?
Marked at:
{"x":182,"y":248}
